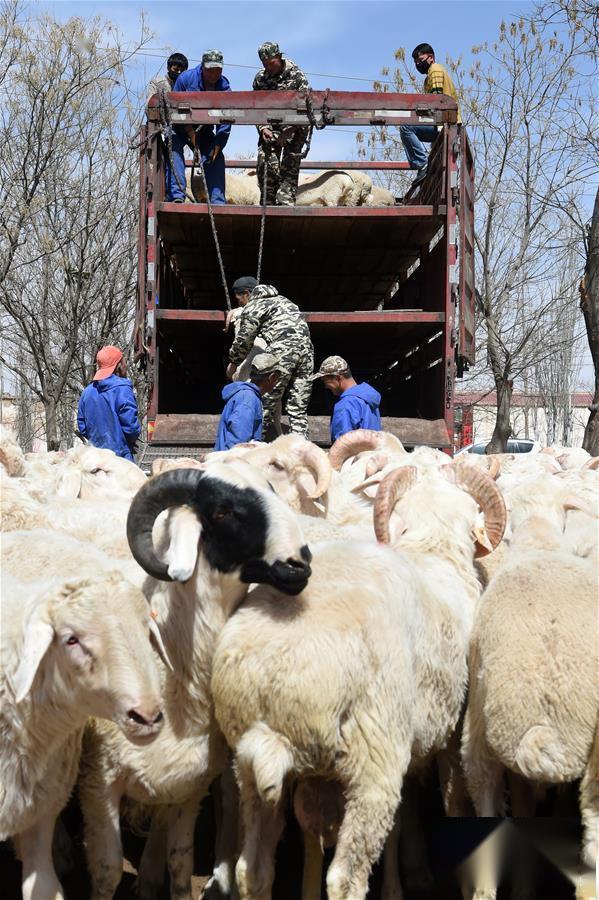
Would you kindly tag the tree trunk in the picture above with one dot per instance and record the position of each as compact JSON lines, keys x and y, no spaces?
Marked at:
{"x":52,"y":439}
{"x":589,"y":303}
{"x":503,"y":428}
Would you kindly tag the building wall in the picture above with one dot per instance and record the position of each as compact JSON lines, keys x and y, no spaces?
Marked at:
{"x":527,"y":422}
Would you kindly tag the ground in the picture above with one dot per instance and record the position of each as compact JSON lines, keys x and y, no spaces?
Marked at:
{"x":447,"y":841}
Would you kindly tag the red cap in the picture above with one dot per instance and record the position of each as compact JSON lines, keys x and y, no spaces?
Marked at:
{"x":108,"y":359}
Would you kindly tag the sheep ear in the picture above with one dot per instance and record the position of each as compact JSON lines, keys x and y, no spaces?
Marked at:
{"x":156,"y":638}
{"x":184,"y":531}
{"x":38,"y":637}
{"x":70,"y":484}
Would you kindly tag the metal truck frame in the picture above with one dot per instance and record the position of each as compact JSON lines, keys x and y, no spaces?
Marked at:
{"x":389,"y":288}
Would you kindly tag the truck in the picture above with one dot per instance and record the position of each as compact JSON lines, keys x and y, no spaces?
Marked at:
{"x":390,"y":288}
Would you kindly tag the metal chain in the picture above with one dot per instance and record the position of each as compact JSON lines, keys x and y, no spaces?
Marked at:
{"x":267,"y":153}
{"x":164,"y":112}
{"x":197,"y":158}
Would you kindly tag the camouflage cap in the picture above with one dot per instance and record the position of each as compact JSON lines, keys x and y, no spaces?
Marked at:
{"x":264,"y":364}
{"x":212,"y":59}
{"x":268,"y":50}
{"x":332,"y":365}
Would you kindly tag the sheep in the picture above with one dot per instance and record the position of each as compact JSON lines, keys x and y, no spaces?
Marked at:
{"x":240,"y":190}
{"x":379,"y":196}
{"x":11,"y":455}
{"x":298,"y":470}
{"x":70,"y":649}
{"x":84,"y":472}
{"x":532,"y":705}
{"x":360,"y":675}
{"x":334,"y":188}
{"x":236,"y":532}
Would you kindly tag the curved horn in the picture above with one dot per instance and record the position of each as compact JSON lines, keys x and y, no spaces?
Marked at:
{"x":391,"y":489}
{"x":352,"y":443}
{"x":172,"y":488}
{"x":592,"y":463}
{"x":317,"y":460}
{"x":489,"y":498}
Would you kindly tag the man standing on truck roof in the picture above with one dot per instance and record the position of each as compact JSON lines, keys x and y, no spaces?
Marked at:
{"x":175,"y":64}
{"x":437,"y":81}
{"x":208,"y":76}
{"x":241,"y":419}
{"x":279,"y":149}
{"x":107,"y":414}
{"x":357,"y":405}
{"x":269,"y":315}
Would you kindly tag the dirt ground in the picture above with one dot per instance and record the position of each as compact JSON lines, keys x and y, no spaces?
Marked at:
{"x":448,"y":841}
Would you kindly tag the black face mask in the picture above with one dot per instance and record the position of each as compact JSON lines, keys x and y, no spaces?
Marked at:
{"x":422,"y":67}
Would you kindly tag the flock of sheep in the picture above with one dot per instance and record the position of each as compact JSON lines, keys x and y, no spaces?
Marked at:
{"x":407,"y":612}
{"x":333,"y":188}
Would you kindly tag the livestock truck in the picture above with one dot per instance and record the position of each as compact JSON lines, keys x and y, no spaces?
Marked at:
{"x":389,"y":288}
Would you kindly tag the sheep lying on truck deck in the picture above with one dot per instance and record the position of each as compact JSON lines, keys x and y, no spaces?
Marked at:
{"x":532,"y":705}
{"x":334,"y":188}
{"x":362,"y":673}
{"x":240,"y":190}
{"x":242,"y":533}
{"x":69,"y":650}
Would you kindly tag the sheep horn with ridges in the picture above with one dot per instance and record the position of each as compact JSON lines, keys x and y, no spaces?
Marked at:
{"x":592,"y":463}
{"x":352,"y":443}
{"x":391,"y":489}
{"x":317,"y":460}
{"x":489,"y":498}
{"x":172,"y":488}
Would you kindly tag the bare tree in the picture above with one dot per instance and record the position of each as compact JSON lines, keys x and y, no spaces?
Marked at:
{"x":527,"y":103}
{"x":69,"y":211}
{"x":589,"y":303}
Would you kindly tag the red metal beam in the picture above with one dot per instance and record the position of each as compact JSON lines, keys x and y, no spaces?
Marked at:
{"x":376,"y":212}
{"x":289,"y":107}
{"x":393,"y":166}
{"x":366,"y":317}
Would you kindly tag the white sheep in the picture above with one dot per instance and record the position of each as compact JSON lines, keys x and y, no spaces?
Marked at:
{"x":69,"y":650}
{"x":234,"y":532}
{"x":379,"y":196}
{"x":361,"y":674}
{"x":532,"y":705}
{"x":240,"y":190}
{"x":11,"y":455}
{"x":334,"y":188}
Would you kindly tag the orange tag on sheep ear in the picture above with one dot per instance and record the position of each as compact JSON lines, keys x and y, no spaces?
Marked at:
{"x":154,"y":614}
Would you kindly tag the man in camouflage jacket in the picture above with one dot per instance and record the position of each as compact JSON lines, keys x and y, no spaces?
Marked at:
{"x":279,"y":149}
{"x":280,"y":323}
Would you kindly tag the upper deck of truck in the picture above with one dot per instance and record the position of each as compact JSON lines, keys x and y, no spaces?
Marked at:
{"x":378,"y":284}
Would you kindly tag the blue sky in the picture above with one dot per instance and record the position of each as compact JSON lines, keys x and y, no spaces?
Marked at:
{"x":333,"y":38}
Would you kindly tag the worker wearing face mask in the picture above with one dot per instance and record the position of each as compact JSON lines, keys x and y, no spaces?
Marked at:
{"x":437,"y":81}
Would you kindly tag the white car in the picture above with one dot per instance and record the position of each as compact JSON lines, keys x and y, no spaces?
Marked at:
{"x":514,"y":445}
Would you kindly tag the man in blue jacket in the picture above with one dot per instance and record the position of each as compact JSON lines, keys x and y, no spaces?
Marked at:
{"x":241,"y":419}
{"x":357,"y":405}
{"x":107,"y":414}
{"x":208,"y":76}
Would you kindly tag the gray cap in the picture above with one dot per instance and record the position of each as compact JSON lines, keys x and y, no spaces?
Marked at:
{"x":245,"y":283}
{"x":264,"y":364}
{"x":332,"y":365}
{"x":212,"y":59}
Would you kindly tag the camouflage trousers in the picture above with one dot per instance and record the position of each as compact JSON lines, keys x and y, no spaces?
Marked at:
{"x":283,"y":164}
{"x":293,"y":391}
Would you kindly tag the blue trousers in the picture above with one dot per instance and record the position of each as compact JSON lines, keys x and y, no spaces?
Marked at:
{"x":215,"y":171}
{"x":413,"y":138}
